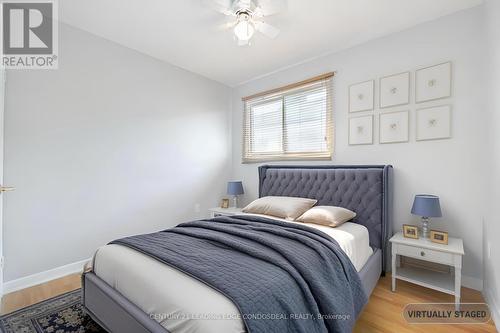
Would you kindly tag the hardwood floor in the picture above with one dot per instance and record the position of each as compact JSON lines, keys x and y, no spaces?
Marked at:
{"x":25,"y":297}
{"x":384,"y":311}
{"x":382,"y":314}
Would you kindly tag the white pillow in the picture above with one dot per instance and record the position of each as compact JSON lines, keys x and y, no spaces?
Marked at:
{"x":330,"y":216}
{"x":284,"y":207}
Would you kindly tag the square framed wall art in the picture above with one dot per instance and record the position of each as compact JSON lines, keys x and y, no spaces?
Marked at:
{"x":434,"y":123}
{"x":395,"y":90}
{"x":361,"y":130}
{"x":433,"y":82}
{"x":361,"y":96}
{"x":394,"y":127}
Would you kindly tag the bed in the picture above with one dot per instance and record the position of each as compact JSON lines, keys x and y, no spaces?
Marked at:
{"x":119,"y":295}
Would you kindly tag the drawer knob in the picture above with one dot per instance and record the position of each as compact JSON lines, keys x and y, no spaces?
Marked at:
{"x":422,"y":253}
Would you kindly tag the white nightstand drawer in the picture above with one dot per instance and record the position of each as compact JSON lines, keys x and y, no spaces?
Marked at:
{"x":220,"y":214}
{"x":426,"y":254}
{"x":217,"y":211}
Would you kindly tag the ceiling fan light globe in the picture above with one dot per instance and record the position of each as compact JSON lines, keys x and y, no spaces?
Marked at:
{"x":244,"y":30}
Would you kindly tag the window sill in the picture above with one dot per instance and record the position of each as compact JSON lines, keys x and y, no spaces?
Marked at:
{"x":282,"y":159}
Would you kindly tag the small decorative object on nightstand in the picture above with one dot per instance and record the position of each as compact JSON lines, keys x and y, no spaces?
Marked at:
{"x":224,"y":203}
{"x":217,"y":211}
{"x":426,"y":206}
{"x":235,"y":189}
{"x":439,"y":237}
{"x":424,"y":249}
{"x":410,"y":231}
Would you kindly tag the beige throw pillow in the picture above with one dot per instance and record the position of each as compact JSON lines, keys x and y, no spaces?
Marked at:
{"x":284,"y":207}
{"x":330,"y":216}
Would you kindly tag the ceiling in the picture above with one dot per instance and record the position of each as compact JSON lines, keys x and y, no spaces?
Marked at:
{"x":188,"y":34}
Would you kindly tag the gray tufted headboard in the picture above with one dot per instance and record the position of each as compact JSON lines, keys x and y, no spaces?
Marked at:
{"x":364,"y":189}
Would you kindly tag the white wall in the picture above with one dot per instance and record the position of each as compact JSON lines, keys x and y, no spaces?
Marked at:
{"x":113,"y":143}
{"x":452,"y":169}
{"x":492,"y":222}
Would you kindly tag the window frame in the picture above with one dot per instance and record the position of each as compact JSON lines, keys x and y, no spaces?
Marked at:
{"x":280,"y":94}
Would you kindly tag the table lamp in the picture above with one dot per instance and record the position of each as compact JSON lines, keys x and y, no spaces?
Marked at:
{"x":426,"y":206}
{"x":235,"y":189}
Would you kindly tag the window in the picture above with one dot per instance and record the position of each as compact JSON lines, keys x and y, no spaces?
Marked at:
{"x":290,"y":123}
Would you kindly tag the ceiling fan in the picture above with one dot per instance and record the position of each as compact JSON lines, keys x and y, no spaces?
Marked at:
{"x":249,"y":16}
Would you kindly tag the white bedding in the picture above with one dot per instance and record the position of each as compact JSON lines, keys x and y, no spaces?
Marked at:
{"x":177,"y":298}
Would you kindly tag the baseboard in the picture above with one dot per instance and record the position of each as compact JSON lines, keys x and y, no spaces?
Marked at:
{"x":472,"y":283}
{"x":42,"y":277}
{"x":494,"y":307}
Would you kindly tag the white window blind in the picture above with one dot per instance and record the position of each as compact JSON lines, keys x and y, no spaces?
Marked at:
{"x":290,"y":123}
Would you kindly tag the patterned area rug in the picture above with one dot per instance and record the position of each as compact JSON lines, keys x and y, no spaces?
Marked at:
{"x":61,"y":314}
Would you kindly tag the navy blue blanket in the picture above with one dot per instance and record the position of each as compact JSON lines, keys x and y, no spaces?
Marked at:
{"x":283,"y":277}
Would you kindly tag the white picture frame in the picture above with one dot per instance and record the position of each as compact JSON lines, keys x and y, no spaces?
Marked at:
{"x":394,"y":127}
{"x":433,"y":123}
{"x":362,"y":96}
{"x":433,"y":83}
{"x":361,"y":130}
{"x":394,"y":90}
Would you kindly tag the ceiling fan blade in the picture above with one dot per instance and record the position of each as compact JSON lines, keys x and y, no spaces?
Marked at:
{"x":221,"y":6}
{"x":228,"y":25}
{"x":271,"y":7}
{"x":267,"y":29}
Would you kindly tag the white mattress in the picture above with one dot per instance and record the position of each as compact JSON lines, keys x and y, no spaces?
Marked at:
{"x":176,"y":298}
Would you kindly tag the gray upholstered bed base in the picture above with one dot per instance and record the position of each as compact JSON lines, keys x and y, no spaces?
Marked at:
{"x":117,"y":314}
{"x":371,"y":271}
{"x":112,"y":310}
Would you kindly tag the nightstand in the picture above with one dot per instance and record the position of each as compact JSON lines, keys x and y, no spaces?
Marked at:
{"x":217,"y":211}
{"x":424,"y":249}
